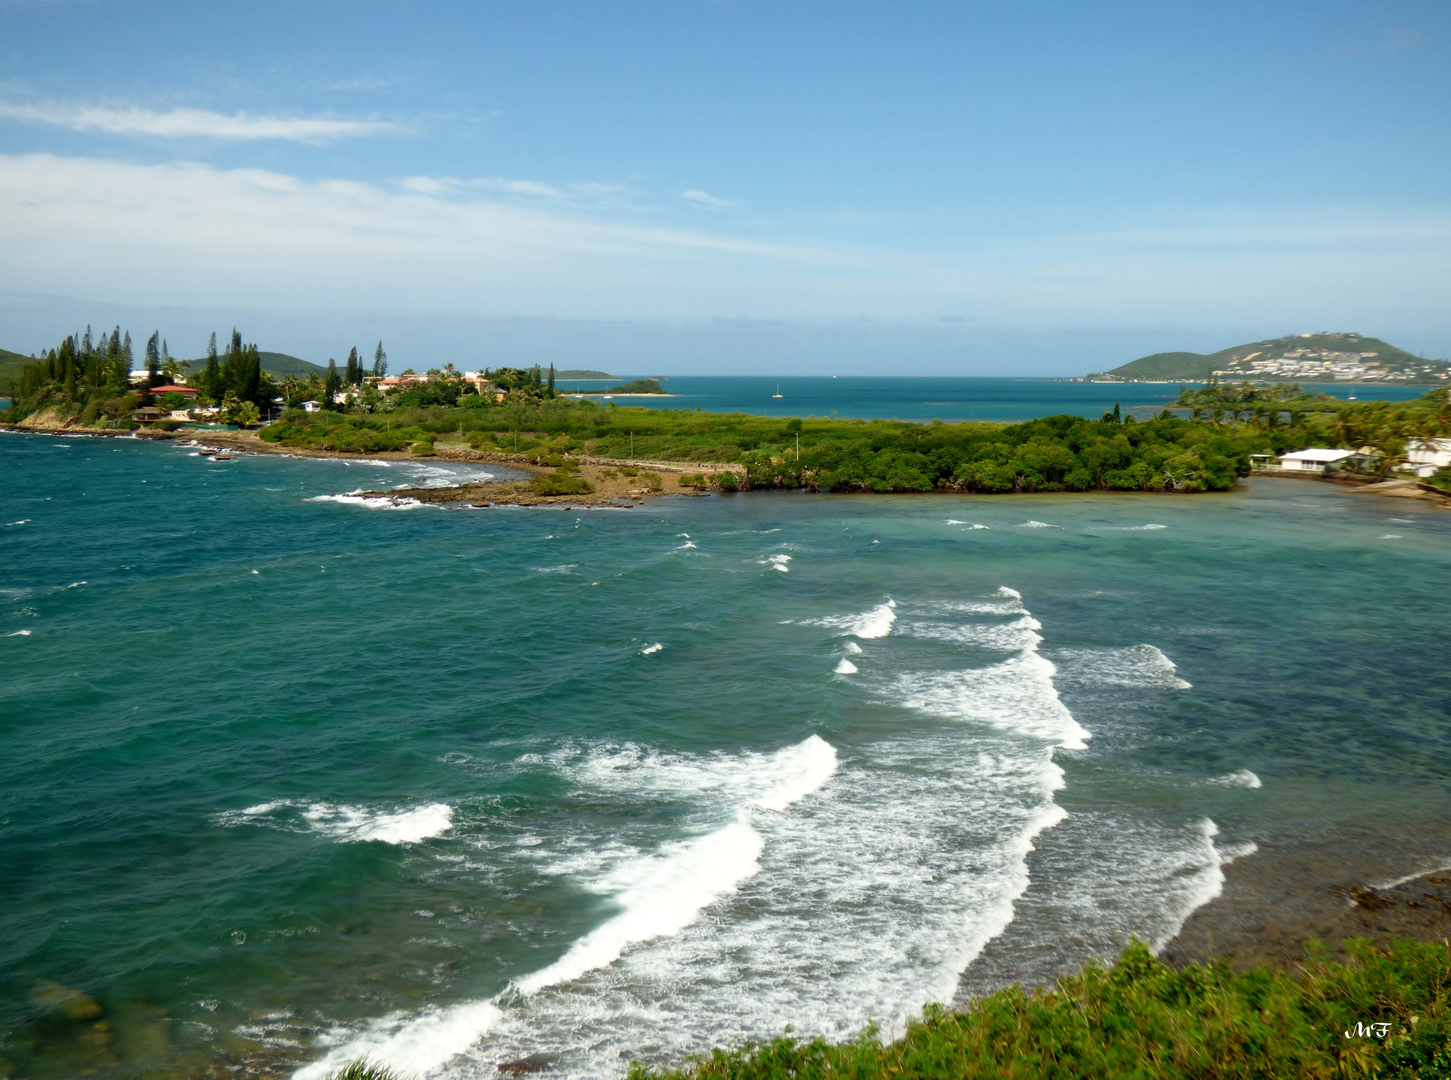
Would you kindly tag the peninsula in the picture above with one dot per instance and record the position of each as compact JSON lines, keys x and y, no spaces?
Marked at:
{"x":1322,"y":357}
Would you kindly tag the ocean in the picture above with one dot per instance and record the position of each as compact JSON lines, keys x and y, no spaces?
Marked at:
{"x":289,"y":777}
{"x":945,"y":399}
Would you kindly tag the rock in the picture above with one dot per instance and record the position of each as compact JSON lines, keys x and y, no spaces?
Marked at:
{"x":66,"y":1002}
{"x":532,"y":1064}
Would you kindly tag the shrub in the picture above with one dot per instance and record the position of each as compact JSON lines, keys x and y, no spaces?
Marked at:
{"x":727,"y":481}
{"x":560,"y":484}
{"x":423,"y":448}
{"x":652,"y":480}
{"x":694,"y":480}
{"x":363,"y":1069}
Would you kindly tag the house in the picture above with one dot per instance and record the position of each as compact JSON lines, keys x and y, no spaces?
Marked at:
{"x":1428,"y":456}
{"x":310,"y":406}
{"x":1316,"y":459}
{"x":149,"y":415}
{"x":188,"y":392}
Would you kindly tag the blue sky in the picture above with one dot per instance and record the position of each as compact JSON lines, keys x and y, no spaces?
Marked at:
{"x":722,"y":187}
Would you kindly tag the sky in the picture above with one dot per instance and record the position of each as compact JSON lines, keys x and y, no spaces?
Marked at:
{"x":722,"y":187}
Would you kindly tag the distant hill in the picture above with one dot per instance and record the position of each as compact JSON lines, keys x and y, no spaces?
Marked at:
{"x":583,"y":374}
{"x":1297,"y":358}
{"x":10,"y":365}
{"x":275,"y":362}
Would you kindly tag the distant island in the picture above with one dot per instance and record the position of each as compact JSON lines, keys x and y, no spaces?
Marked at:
{"x":1323,"y":358}
{"x":584,"y":373}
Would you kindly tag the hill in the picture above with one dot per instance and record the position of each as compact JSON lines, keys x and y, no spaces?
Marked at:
{"x":1341,"y":357}
{"x":582,"y":373}
{"x":276,"y":363}
{"x":10,"y":365}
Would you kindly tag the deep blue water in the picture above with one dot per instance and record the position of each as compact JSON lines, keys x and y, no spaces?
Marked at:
{"x":932,"y":398}
{"x":288,"y":778}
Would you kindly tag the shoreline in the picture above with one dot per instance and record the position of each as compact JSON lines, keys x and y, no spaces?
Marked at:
{"x":251,"y":442}
{"x":1376,"y":883}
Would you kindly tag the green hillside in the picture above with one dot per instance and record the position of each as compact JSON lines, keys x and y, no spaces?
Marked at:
{"x":276,"y":363}
{"x":10,"y":365}
{"x":582,"y":373}
{"x":1299,"y":357}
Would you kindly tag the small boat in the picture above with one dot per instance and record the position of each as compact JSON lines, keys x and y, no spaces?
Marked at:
{"x":778,"y":391}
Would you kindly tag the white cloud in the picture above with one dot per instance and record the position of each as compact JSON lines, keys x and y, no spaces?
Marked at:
{"x":188,"y":234}
{"x":704,"y":198}
{"x":191,"y":123}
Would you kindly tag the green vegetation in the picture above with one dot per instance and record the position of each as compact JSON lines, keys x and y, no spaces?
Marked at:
{"x":1399,"y":365}
{"x":1060,"y":453}
{"x":583,"y":373}
{"x":88,"y":380}
{"x":1144,"y":1020}
{"x":363,"y":1069}
{"x":1285,"y":418}
{"x":560,"y":484}
{"x":639,"y":386}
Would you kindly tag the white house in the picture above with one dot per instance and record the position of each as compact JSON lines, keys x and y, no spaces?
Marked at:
{"x":1316,"y":459}
{"x":1426,"y":457}
{"x":310,"y":406}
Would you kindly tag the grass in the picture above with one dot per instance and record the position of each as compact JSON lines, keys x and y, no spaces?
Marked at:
{"x":560,"y":484}
{"x":363,"y":1069}
{"x":1143,"y":1020}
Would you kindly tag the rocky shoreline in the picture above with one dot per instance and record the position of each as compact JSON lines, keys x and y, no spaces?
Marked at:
{"x":1376,"y":883}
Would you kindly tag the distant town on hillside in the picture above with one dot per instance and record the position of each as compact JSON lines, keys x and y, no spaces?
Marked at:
{"x":1322,"y":357}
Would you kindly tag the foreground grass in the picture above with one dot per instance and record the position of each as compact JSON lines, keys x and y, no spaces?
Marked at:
{"x":1144,"y":1020}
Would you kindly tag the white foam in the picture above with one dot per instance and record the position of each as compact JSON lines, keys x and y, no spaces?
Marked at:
{"x":349,"y":823}
{"x":1394,"y":882}
{"x":1131,"y":528}
{"x":1240,"y":778}
{"x":1137,"y":665}
{"x":689,"y":545}
{"x":1038,"y":525}
{"x":562,"y":568}
{"x":776,"y":562}
{"x":649,"y":650}
{"x":969,"y":524}
{"x":381,"y":502}
{"x":1390,"y":536}
{"x":20,"y":633}
{"x":660,"y":897}
{"x":1201,"y":884}
{"x":1016,"y":694}
{"x":22,"y":521}
{"x":425,"y":1040}
{"x":851,"y":648}
{"x":659,"y":894}
{"x":876,"y":623}
{"x":845,"y":667}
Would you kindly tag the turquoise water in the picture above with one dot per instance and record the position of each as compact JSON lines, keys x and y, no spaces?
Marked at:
{"x":289,"y":777}
{"x":932,"y":398}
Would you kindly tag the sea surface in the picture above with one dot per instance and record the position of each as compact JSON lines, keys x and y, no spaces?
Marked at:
{"x":933,"y":398}
{"x":289,"y":776}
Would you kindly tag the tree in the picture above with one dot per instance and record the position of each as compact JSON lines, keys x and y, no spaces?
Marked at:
{"x":153,"y":357}
{"x":332,"y":385}
{"x":352,"y":368}
{"x":380,"y":360}
{"x":551,"y":379}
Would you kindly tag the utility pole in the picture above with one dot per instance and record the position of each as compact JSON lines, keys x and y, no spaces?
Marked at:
{"x":798,"y":446}
{"x":632,"y":446}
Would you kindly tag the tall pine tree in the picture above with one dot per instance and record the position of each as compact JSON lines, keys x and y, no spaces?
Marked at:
{"x":380,"y":360}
